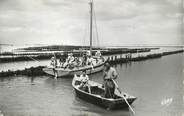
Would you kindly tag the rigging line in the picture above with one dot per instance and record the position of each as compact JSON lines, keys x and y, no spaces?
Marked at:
{"x":85,"y":33}
{"x":96,"y":29}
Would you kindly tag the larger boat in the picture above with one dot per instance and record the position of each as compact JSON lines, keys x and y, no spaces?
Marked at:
{"x":63,"y":71}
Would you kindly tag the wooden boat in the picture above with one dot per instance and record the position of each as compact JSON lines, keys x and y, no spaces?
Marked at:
{"x":61,"y":72}
{"x":95,"y":96}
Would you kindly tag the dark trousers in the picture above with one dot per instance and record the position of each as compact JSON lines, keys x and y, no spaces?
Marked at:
{"x":109,"y":88}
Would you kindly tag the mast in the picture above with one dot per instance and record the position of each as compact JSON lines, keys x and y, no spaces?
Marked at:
{"x":91,"y":24}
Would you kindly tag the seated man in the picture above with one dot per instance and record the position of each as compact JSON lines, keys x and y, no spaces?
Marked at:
{"x":69,"y":60}
{"x":84,"y":82}
{"x":89,"y":60}
{"x":84,"y":59}
{"x":79,"y":63}
{"x":61,"y":61}
{"x":98,"y":54}
{"x":76,"y":62}
{"x":53,"y":62}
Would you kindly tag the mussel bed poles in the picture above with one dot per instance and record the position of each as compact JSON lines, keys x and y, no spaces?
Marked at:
{"x":54,"y":68}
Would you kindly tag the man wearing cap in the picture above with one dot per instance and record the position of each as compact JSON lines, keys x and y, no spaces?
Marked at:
{"x":109,"y":74}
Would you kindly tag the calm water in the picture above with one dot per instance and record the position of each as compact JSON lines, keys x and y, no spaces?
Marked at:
{"x":157,"y":83}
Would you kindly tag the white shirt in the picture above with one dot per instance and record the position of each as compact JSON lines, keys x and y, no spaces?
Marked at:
{"x":111,"y":74}
{"x":84,"y":78}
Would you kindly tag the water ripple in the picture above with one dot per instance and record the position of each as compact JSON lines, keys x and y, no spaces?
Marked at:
{"x":166,"y":101}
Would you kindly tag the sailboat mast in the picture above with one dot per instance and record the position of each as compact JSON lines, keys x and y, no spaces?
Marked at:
{"x":91,"y":25}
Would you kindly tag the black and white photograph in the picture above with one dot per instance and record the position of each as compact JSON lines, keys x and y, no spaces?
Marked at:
{"x":91,"y":58}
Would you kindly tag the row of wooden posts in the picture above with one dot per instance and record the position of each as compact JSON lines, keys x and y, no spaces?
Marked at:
{"x":129,"y":57}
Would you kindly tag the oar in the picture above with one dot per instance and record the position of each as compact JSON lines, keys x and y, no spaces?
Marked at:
{"x":123,"y":96}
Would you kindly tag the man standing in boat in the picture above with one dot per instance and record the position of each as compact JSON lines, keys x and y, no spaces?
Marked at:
{"x":109,"y":74}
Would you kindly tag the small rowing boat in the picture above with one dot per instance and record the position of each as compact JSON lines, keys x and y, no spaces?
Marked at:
{"x":95,"y":95}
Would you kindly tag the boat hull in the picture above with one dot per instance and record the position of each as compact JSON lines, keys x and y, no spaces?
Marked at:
{"x":61,"y":72}
{"x":53,"y":71}
{"x":106,"y":103}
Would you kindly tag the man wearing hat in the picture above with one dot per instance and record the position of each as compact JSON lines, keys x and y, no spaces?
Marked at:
{"x":69,"y":60}
{"x":53,"y":62}
{"x":98,"y":54}
{"x":109,"y":74}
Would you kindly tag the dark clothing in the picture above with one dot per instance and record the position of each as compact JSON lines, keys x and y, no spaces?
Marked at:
{"x":108,"y":82}
{"x":84,"y":87}
{"x":109,"y":88}
{"x":84,"y":60}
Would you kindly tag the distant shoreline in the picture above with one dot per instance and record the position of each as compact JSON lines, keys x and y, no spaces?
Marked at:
{"x":46,"y":52}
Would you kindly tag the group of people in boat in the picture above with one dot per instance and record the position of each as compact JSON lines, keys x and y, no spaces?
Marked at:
{"x":71,"y":61}
{"x":109,"y":75}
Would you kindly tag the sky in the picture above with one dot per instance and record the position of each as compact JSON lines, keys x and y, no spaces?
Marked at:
{"x":118,"y":22}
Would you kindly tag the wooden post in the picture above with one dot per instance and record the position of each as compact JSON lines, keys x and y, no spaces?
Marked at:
{"x":107,"y":58}
{"x":115,"y":58}
{"x":111,"y":58}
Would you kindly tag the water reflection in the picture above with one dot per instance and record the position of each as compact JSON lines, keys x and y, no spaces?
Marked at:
{"x":32,"y":79}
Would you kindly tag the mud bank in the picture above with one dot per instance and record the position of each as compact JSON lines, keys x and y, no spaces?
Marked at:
{"x":33,"y":71}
